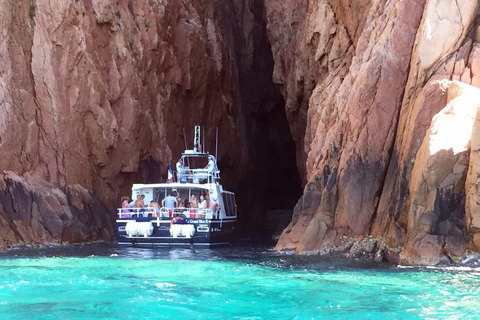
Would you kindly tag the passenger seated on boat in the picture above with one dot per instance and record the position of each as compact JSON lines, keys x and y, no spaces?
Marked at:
{"x":170,"y":201}
{"x":211,"y":165}
{"x":125,"y":208}
{"x":180,"y":166}
{"x":202,"y":174}
{"x":178,"y":219}
{"x":182,"y":171}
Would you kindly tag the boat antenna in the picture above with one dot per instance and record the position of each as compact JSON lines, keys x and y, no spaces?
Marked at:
{"x":185,"y":138}
{"x":186,"y":147}
{"x":216,"y":144}
{"x":196,"y":140}
{"x":203,"y":137}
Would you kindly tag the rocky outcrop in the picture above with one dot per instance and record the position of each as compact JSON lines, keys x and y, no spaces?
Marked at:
{"x":34,"y":212}
{"x":436,"y":225}
{"x":382,"y":153}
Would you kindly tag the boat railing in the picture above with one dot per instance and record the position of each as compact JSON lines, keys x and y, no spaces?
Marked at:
{"x":135,"y":212}
{"x":196,"y":213}
{"x":198,"y":176}
{"x":193,"y":213}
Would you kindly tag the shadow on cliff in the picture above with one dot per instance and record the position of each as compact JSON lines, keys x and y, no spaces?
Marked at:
{"x":268,"y":186}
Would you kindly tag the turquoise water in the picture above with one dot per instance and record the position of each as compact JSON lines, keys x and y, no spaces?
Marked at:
{"x":110,"y":282}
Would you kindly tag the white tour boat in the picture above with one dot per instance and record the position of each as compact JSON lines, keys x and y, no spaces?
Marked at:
{"x":174,"y":214}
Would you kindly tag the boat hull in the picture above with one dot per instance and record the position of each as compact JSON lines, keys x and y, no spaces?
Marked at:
{"x":201,"y":232}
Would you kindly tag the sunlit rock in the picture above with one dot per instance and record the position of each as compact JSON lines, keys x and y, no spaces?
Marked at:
{"x":436,"y":205}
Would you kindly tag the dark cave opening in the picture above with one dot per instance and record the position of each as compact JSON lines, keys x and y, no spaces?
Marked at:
{"x":272,"y":180}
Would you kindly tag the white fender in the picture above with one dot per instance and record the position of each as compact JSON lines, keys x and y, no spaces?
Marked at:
{"x":134,"y":228}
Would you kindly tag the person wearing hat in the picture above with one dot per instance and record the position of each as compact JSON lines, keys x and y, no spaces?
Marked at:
{"x":181,"y":171}
{"x":211,"y":164}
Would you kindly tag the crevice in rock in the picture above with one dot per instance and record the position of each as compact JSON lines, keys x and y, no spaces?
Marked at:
{"x":271,"y":180}
{"x":383,"y":177}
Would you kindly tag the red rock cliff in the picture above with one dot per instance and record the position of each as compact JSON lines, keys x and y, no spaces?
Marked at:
{"x":389,"y":141}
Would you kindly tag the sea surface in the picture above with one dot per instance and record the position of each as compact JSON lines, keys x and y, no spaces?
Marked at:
{"x":245,"y":281}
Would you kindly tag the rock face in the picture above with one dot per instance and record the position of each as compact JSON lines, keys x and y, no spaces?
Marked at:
{"x":390,"y":128}
{"x":37,"y":213}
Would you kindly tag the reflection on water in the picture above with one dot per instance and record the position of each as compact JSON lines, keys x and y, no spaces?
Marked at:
{"x":240,"y":281}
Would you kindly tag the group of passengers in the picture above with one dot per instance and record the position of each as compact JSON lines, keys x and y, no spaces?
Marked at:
{"x":127,"y":206}
{"x":183,"y":170}
{"x":182,"y":167}
{"x":170,"y":202}
{"x":139,"y":203}
{"x":193,"y":203}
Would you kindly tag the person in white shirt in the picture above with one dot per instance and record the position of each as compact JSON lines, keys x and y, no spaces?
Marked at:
{"x":211,"y":164}
{"x":203,"y":203}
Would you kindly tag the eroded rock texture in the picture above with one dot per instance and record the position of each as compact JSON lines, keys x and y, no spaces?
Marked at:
{"x":390,"y":127}
{"x":34,"y":212}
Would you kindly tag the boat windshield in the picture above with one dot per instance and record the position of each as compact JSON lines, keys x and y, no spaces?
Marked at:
{"x":195,"y":162}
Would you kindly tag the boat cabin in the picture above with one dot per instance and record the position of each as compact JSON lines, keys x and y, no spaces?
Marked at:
{"x":219,"y":203}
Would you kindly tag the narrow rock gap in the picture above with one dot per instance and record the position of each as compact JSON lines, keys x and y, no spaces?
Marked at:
{"x":272,"y":181}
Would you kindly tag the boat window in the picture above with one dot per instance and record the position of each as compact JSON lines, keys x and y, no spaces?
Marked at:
{"x":225,"y":203}
{"x":229,"y":203}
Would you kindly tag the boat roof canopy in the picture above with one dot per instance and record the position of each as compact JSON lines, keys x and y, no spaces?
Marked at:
{"x":172,"y":185}
{"x":193,"y":153}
